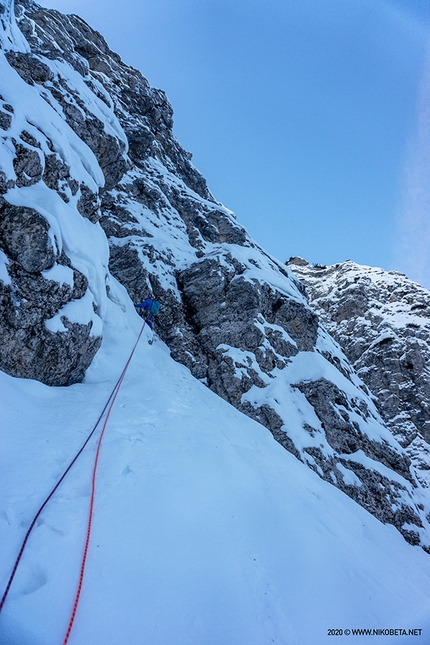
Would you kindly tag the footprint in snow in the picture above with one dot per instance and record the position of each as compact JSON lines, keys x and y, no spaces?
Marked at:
{"x":35,"y":580}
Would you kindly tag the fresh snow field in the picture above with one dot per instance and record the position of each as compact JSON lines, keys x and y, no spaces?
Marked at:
{"x":205,"y":532}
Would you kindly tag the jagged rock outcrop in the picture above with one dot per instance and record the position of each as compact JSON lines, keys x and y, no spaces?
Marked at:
{"x":31,"y":295}
{"x":51,"y":292}
{"x":382,"y":322}
{"x":237,"y":318}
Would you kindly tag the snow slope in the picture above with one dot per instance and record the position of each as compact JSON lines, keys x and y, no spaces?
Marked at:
{"x":206,"y":531}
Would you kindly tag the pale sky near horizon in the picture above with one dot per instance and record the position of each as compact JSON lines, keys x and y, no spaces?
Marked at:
{"x":310,"y":119}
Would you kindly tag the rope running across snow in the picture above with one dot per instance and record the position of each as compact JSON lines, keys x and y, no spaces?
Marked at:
{"x":108,"y":406}
{"x":93,"y":489}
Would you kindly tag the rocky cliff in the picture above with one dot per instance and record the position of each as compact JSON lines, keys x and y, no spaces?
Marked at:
{"x":382,"y":322}
{"x":95,"y":188}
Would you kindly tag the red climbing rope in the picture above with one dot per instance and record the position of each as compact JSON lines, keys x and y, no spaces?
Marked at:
{"x":90,"y":515}
{"x":108,"y":406}
{"x":93,"y":490}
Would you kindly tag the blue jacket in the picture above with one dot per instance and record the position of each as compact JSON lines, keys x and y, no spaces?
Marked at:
{"x":146,"y":304}
{"x":150,"y":305}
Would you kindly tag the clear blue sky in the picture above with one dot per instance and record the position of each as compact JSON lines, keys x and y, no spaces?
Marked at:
{"x":309,"y":118}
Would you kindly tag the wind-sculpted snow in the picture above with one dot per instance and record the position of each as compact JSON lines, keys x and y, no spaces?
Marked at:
{"x":90,"y":156}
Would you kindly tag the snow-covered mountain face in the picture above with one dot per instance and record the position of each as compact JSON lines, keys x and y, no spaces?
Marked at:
{"x":93,"y":184}
{"x":382,"y":322}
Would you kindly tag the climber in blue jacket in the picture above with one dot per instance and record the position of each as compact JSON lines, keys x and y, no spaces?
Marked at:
{"x":150,"y":308}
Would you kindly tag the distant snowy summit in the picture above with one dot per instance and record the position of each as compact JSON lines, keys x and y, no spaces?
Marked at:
{"x":381,"y":319}
{"x":95,"y":189}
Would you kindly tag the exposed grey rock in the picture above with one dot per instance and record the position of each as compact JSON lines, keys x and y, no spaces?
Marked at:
{"x":205,"y":224}
{"x":28,"y":348}
{"x":27,"y":166}
{"x":3,"y":182}
{"x":334,"y":410}
{"x":29,"y":298}
{"x":382,"y":322}
{"x":5,"y":120}
{"x":24,"y":235}
{"x":375,"y":492}
{"x":56,"y":176}
{"x":224,"y":307}
{"x":29,"y":67}
{"x":28,"y":138}
{"x":142,"y":144}
{"x":107,"y":149}
{"x":89,"y":204}
{"x":71,"y":39}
